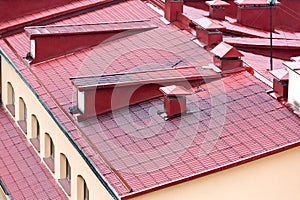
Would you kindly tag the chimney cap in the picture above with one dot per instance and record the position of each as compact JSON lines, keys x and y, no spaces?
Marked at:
{"x":174,"y":90}
{"x":281,"y":74}
{"x":208,"y":24}
{"x":217,"y":3}
{"x":224,"y":50}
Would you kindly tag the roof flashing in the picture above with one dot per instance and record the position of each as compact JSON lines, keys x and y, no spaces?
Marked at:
{"x":217,"y":3}
{"x":72,"y":29}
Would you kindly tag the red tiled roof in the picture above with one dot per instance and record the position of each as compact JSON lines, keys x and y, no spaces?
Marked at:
{"x":50,"y":13}
{"x":224,"y":50}
{"x":217,"y":3}
{"x":230,"y":121}
{"x":20,"y":168}
{"x":33,"y":31}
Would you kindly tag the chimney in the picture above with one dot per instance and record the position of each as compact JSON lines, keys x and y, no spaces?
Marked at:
{"x":280,"y":83}
{"x":227,"y":57}
{"x":174,"y":100}
{"x":247,"y":9}
{"x":216,"y":9}
{"x":208,"y":32}
{"x":47,"y":42}
{"x":172,"y":9}
{"x":294,"y":82}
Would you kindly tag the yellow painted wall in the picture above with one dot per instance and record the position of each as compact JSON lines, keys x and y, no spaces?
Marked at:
{"x":275,"y":177}
{"x":47,"y":125}
{"x":2,"y":195}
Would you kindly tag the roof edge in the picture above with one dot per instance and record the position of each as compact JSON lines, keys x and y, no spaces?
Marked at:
{"x":94,"y":169}
{"x":214,"y":170}
{"x":5,"y":191}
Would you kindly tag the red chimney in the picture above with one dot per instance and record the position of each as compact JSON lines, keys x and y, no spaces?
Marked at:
{"x":280,"y":83}
{"x":174,"y":100}
{"x":227,"y":57}
{"x":216,"y":9}
{"x":254,"y":13}
{"x":208,"y":32}
{"x":172,"y":9}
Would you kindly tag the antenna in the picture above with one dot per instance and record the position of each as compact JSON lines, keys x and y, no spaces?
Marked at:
{"x":271,"y":3}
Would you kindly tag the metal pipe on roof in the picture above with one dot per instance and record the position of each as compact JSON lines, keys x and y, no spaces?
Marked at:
{"x":271,"y":3}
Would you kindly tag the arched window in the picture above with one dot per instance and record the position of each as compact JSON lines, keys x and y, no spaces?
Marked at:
{"x":49,"y":152}
{"x":35,"y":128}
{"x":65,"y":174}
{"x":22,"y":115}
{"x":82,"y":189}
{"x":10,"y":99}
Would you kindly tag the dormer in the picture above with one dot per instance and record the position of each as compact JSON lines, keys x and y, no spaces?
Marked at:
{"x":47,"y":42}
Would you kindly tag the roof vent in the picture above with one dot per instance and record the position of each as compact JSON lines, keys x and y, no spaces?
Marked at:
{"x":174,"y":101}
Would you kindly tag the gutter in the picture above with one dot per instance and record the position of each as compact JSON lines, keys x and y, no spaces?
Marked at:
{"x":4,"y":190}
{"x":100,"y":177}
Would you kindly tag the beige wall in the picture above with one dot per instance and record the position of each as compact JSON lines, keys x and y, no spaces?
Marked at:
{"x":2,"y":195}
{"x":47,"y":125}
{"x":276,"y":177}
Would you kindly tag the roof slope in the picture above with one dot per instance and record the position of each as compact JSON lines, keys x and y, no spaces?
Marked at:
{"x":232,"y":119}
{"x":20,"y":169}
